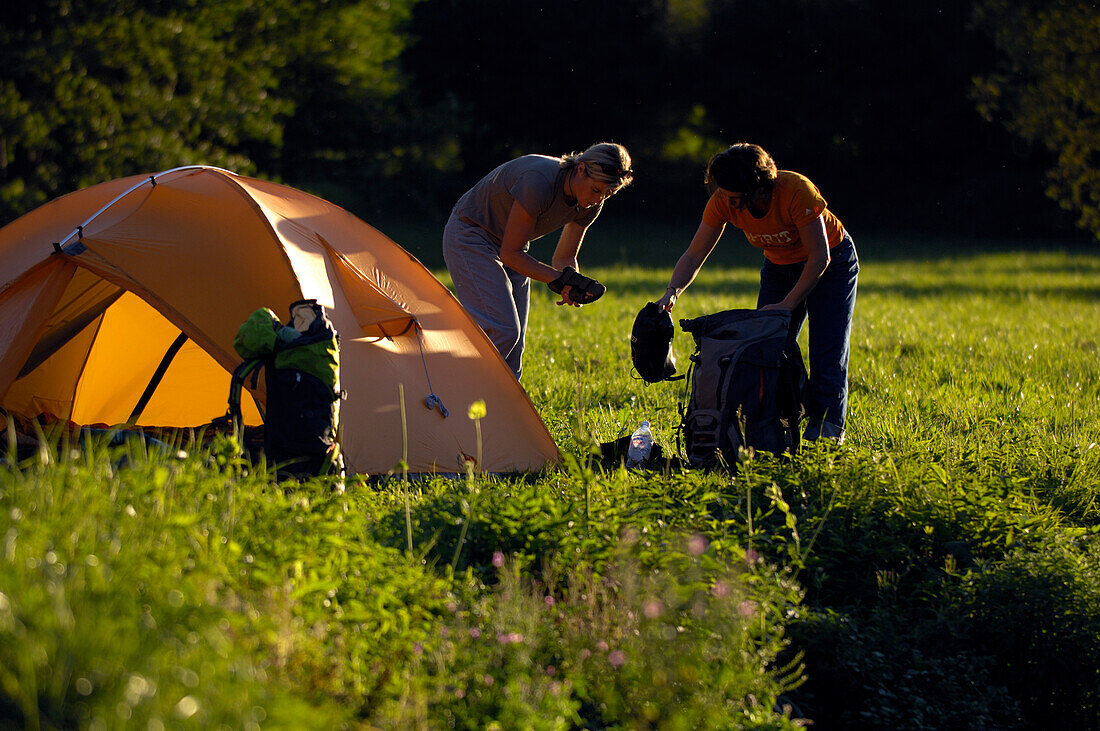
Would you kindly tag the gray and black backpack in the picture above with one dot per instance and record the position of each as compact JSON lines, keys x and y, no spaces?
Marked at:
{"x":747,"y":387}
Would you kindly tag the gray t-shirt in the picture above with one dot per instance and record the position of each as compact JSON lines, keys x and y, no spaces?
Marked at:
{"x":536,"y":182}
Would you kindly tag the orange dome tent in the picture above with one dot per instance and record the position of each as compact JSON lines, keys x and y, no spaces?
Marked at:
{"x":119,"y":304}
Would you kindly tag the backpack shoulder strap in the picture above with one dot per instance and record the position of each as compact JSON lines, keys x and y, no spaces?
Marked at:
{"x":236,"y":383}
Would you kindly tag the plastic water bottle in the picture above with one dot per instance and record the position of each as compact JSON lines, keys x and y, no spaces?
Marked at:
{"x":641,"y":444}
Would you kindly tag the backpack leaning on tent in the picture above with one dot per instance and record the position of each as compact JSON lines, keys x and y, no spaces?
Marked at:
{"x":747,"y":387}
{"x":301,"y":364}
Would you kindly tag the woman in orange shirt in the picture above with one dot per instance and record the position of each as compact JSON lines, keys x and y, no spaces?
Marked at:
{"x":810,"y":265}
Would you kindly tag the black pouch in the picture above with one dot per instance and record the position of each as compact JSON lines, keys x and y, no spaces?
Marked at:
{"x":651,"y":344}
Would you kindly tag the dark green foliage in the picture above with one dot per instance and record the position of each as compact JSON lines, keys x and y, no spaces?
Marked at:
{"x":938,"y":601}
{"x":900,"y":667}
{"x":91,"y":91}
{"x":1038,"y":614}
{"x":1046,"y":89}
{"x":394,"y":109}
{"x":94,"y":91}
{"x":870,"y":99}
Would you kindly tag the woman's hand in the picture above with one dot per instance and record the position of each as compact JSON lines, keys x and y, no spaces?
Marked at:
{"x":575,"y":288}
{"x":690,"y":261}
{"x":565,"y":298}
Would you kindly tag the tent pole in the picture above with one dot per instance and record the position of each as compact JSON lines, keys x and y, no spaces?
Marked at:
{"x":166,"y":361}
{"x":152,"y":179}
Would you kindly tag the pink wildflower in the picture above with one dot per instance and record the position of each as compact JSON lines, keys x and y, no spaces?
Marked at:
{"x":746,"y":608}
{"x":475,"y":632}
{"x":697,"y":544}
{"x":498,"y":559}
{"x":652,"y":609}
{"x":616,"y":658}
{"x":601,"y":646}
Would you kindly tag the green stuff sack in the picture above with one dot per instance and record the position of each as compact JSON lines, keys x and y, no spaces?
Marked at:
{"x":256,"y":336}
{"x":319,"y":357}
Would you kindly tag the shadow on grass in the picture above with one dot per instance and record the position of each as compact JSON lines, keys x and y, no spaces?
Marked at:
{"x":1086,"y":292}
{"x":616,"y":240}
{"x":647,"y":286}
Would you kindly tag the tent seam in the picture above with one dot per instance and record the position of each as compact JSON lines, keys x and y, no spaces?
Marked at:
{"x":240,"y":189}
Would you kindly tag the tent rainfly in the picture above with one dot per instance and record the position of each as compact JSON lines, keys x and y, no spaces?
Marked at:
{"x":119,"y":304}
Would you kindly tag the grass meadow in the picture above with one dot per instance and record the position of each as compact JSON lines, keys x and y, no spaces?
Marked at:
{"x":939,"y":570}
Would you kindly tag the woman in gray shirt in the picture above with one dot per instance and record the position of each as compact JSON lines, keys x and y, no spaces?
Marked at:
{"x":491,"y":228}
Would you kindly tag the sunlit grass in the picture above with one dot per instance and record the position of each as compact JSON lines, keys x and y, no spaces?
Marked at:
{"x":937,"y":347}
{"x":940,"y":567}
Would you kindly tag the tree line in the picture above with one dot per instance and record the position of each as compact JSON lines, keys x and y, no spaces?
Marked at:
{"x":977,"y":117}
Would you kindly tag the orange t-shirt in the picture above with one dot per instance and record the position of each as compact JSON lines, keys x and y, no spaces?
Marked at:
{"x":795,"y":202}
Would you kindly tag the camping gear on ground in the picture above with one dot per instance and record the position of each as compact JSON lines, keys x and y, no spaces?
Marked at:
{"x":651,"y":344}
{"x":301,"y":365}
{"x":614,"y":455}
{"x":747,"y":387}
{"x":583,"y":289}
{"x":641,"y":444}
{"x":120,"y":303}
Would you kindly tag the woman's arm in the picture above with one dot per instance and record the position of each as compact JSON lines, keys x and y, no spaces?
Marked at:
{"x":517,"y":233}
{"x":569,"y":245}
{"x":691,"y":261}
{"x":817,"y":247}
{"x":565,"y":254}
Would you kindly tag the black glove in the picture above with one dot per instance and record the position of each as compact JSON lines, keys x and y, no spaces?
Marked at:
{"x":584,"y":289}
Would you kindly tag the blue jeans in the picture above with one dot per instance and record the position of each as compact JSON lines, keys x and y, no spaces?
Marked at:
{"x":829,"y":307}
{"x":497,"y":298}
